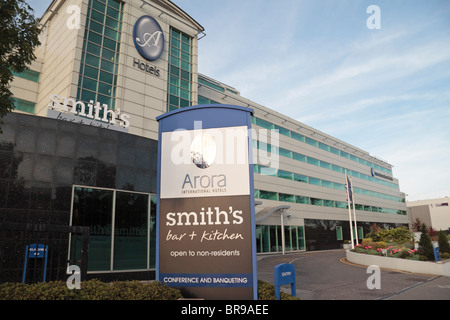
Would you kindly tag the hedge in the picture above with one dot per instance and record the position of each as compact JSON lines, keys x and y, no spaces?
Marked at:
{"x":90,"y":290}
{"x":118,"y":290}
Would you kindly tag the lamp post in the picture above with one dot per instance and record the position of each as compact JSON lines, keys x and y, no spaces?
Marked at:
{"x":283,"y":241}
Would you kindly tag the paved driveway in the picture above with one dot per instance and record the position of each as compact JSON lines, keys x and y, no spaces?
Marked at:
{"x":325,"y":275}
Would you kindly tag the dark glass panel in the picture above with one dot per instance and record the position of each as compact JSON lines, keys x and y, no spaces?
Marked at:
{"x":130,"y":231}
{"x":93,"y":207}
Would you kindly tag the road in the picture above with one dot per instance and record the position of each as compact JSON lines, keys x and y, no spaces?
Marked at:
{"x":326,"y":275}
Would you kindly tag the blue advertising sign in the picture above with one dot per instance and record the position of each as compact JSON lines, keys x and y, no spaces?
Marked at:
{"x":284,"y":274}
{"x":36,"y":251}
{"x":206,"y":242}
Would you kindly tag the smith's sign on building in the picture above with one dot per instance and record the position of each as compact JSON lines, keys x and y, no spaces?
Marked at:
{"x":205,"y":204}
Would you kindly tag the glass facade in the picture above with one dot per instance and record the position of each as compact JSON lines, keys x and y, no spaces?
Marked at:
{"x":283,"y":197}
{"x":267,"y":171}
{"x":269,"y":238}
{"x":122,"y":228}
{"x":179,"y":86}
{"x":320,"y":163}
{"x":100,"y":56}
{"x":299,"y":137}
{"x":57,"y":173}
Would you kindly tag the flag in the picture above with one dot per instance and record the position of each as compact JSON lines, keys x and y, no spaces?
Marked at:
{"x":348,"y":188}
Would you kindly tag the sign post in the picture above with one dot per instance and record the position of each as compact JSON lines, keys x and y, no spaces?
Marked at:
{"x":284,"y":274}
{"x":35,"y":251}
{"x":206,"y":241}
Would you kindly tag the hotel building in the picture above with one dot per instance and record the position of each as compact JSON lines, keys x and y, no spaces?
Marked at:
{"x":80,"y":149}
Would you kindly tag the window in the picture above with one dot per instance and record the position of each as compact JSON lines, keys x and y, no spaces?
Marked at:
{"x":122,"y":232}
{"x":344,"y":154}
{"x":324,"y":146}
{"x":339,"y":233}
{"x":328,"y":203}
{"x":263,"y":123}
{"x":312,"y":161}
{"x":341,"y":204}
{"x":285,"y":153}
{"x":268,"y":195}
{"x":360,"y":233}
{"x":204,"y":100}
{"x":23,"y":105}
{"x":262,"y":239}
{"x":93,"y":207}
{"x":285,"y":174}
{"x":179,"y":89}
{"x":283,"y":131}
{"x":300,"y":178}
{"x":100,"y":55}
{"x":334,"y":150}
{"x":28,"y":75}
{"x":299,"y":157}
{"x":311,"y":142}
{"x":315,"y":181}
{"x":267,"y":171}
{"x":286,"y":197}
{"x":327,"y":184}
{"x":302,"y":199}
{"x":130,"y":231}
{"x":297,"y":136}
{"x":210,"y":84}
{"x":325,"y":165}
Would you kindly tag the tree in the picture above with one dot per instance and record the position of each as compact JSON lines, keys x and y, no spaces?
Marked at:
{"x":19,"y":32}
{"x":417,"y":223}
{"x":432,"y":233}
{"x":425,"y":245}
{"x":443,"y":242}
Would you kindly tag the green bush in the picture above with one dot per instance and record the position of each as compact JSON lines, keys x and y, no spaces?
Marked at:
{"x":398,"y":235}
{"x":425,"y":245}
{"x":444,"y":247}
{"x":445,"y":255}
{"x":90,"y":290}
{"x":381,"y":244}
{"x":266,"y":291}
{"x":405,"y":254}
{"x":118,"y":290}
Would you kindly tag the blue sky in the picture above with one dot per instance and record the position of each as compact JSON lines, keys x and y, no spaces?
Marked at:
{"x":386,"y":91}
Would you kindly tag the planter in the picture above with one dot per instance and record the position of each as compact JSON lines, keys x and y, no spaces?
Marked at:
{"x":423,"y":267}
{"x":347,"y":246}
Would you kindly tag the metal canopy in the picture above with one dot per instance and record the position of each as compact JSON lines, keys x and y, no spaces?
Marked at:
{"x":266,"y":212}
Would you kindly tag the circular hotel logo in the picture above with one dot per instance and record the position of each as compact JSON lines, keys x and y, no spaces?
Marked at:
{"x":148,"y":38}
{"x":203,"y":150}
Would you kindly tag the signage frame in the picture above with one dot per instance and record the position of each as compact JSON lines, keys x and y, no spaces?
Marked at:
{"x":35,"y":251}
{"x":213,"y":116}
{"x":284,"y":274}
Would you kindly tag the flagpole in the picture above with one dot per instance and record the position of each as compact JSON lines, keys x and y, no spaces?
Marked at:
{"x":349,"y":208}
{"x":354,"y":212}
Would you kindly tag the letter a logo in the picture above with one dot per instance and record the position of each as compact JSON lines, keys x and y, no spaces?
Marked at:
{"x":374,"y":281}
{"x":374,"y":21}
{"x":148,"y":38}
